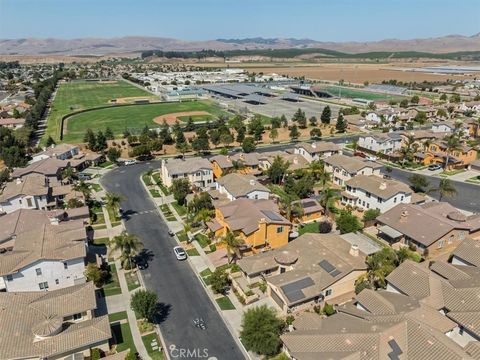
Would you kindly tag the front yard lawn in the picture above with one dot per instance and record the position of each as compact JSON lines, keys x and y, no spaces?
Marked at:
{"x":132,"y":280}
{"x":225,"y":303}
{"x":96,"y":187}
{"x":155,"y":354}
{"x":308,"y":228}
{"x":147,"y":179}
{"x":452,"y":172}
{"x":182,"y":236}
{"x":180,"y":209}
{"x":113,"y":286}
{"x":117,"y":316}
{"x":205,"y":274}
{"x":105,"y":164}
{"x":192,"y":252}
{"x":101,"y":241}
{"x":97,"y":218}
{"x":155,"y":193}
{"x":123,"y":337}
{"x":203,"y":240}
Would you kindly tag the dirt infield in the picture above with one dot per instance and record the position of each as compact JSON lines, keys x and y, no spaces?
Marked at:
{"x":172,"y":117}
{"x":131,"y":99}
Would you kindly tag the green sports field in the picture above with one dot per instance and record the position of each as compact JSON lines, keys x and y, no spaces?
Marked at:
{"x":132,"y":117}
{"x":358,"y":93}
{"x":78,"y":95}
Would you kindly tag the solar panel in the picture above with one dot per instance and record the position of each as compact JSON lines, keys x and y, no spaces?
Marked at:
{"x":271,"y":215}
{"x":297,"y":285}
{"x":335,"y":272}
{"x":307,"y":204}
{"x":295,"y":295}
{"x":325,"y":265}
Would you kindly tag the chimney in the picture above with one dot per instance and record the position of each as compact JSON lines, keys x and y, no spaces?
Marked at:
{"x":52,"y":146}
{"x":295,"y":160}
{"x":354,"y":250}
{"x":314,"y":145}
{"x":19,"y":181}
{"x":383,"y":186}
{"x":54,"y":220}
{"x":252,"y":182}
{"x":404,"y":213}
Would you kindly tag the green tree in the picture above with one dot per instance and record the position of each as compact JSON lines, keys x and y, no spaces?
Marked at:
{"x":273,"y":134}
{"x":371,"y":214}
{"x":113,"y":154}
{"x":201,"y":140}
{"x":101,"y":141}
{"x":129,"y":245}
{"x":214,"y":135}
{"x":90,"y":139}
{"x":219,"y":281}
{"x":145,"y":304}
{"x":284,"y":120}
{"x":341,"y":125}
{"x":180,"y":189}
{"x":326,"y":115}
{"x":347,"y":222}
{"x":328,"y":196}
{"x":231,"y":243}
{"x":226,"y":139}
{"x":415,"y":99}
{"x":261,"y":329}
{"x":95,"y":274}
{"x":294,"y":133}
{"x":328,"y":309}
{"x":452,"y":143}
{"x":113,"y":201}
{"x":109,"y":134}
{"x":418,"y":183}
{"x":248,"y":145}
{"x":277,"y":171}
{"x":404,"y":103}
{"x":420,"y":118}
{"x":443,"y":97}
{"x":313,"y":121}
{"x":455,"y":98}
{"x":50,"y":141}
{"x":316,"y":133}
{"x":446,"y":189}
{"x":84,"y":188}
{"x":182,"y":147}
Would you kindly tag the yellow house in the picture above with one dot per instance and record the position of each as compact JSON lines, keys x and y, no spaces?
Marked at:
{"x":257,"y":222}
{"x":306,"y":210}
{"x":437,"y":154}
{"x":221,"y":165}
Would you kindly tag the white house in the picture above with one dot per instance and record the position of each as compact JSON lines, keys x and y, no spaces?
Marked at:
{"x":373,"y":192}
{"x":197,"y":170}
{"x":60,"y":152}
{"x":40,"y":253}
{"x":31,"y":192}
{"x":317,"y":150}
{"x":343,"y":168}
{"x":385,"y":143}
{"x":236,"y":186}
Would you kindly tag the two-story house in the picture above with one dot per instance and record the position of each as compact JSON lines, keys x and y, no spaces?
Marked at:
{"x":257,"y":223}
{"x":317,"y":150}
{"x":384,"y":143}
{"x":39,"y":252}
{"x":30,"y":192}
{"x":373,"y":192}
{"x":235,"y":186}
{"x":439,"y":153}
{"x":343,"y":168}
{"x":60,"y":152}
{"x":196,"y":169}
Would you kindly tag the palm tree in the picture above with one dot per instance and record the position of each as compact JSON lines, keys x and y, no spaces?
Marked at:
{"x":203,"y":215}
{"x":68,"y":174}
{"x":316,"y":168}
{"x":324,"y":179}
{"x":476,"y":128}
{"x":446,"y":188}
{"x":84,"y":188}
{"x":452,"y":143}
{"x":408,"y":149}
{"x":355,"y":145}
{"x":231,"y":243}
{"x":128,"y":244}
{"x":426,"y":144}
{"x":327,"y":196}
{"x":112,"y":201}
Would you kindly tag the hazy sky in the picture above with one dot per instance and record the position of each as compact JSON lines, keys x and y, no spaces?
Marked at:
{"x":332,"y":20}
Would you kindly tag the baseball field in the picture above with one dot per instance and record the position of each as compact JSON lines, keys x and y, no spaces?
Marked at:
{"x":358,"y":93}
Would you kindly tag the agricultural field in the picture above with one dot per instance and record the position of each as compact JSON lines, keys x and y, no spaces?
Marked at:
{"x":131,"y":117}
{"x":350,"y":93}
{"x":79,"y":95}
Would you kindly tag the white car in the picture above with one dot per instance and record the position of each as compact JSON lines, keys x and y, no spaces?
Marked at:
{"x":371,"y":158}
{"x":179,"y":253}
{"x":130,"y":162}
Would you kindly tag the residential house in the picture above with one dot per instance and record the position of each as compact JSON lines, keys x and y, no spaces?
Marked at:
{"x":51,"y":168}
{"x":257,"y":223}
{"x":317,"y":150}
{"x":473,"y":128}
{"x":431,"y":228}
{"x":448,"y":127}
{"x":221,"y":165}
{"x":425,"y":313}
{"x":470,"y":106}
{"x":12,"y":123}
{"x":295,"y":161}
{"x":196,"y":169}
{"x":60,"y":152}
{"x":39,"y":252}
{"x":383,"y":143}
{"x":58,"y":324}
{"x":235,"y":186}
{"x":31,"y":192}
{"x":247,"y":163}
{"x":438,"y":153}
{"x":313,"y":268}
{"x":467,"y":253}
{"x":373,"y":192}
{"x":343,"y":168}
{"x":310,"y":210}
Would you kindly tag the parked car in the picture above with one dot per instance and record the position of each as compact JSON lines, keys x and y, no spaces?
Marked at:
{"x":434,"y":167}
{"x":359,"y":153}
{"x":180,"y":254}
{"x":84,"y":176}
{"x":144,"y":157}
{"x":371,"y":158}
{"x":130,"y":162}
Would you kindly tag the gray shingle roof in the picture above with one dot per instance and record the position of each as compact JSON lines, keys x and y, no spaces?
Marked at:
{"x":241,"y":185}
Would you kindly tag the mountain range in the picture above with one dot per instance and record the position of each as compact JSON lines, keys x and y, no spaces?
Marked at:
{"x":129,"y":44}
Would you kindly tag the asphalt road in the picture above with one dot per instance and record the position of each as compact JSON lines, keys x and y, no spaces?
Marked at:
{"x":181,"y":293}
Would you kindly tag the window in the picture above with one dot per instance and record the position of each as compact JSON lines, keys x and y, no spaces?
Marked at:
{"x":367,"y":194}
{"x":380,"y":200}
{"x":394,"y":200}
{"x":77,"y":316}
{"x":38,"y":271}
{"x":57,"y":282}
{"x":401,"y":199}
{"x":9,"y":278}
{"x":279,"y":229}
{"x":65,"y":265}
{"x":441,"y":243}
{"x":43,"y":285}
{"x":328,"y":292}
{"x":450,"y":239}
{"x":29,"y":202}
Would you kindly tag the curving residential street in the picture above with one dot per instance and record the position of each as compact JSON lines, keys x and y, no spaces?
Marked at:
{"x":179,"y":290}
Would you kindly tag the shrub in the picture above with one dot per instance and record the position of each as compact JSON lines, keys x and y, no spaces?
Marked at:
{"x":131,"y":356}
{"x":289,"y":319}
{"x":371,"y":214}
{"x":144,"y":303}
{"x":219,"y":280}
{"x":328,"y":309}
{"x":95,"y":354}
{"x":317,"y":309}
{"x":324,"y":227}
{"x":263,"y":287}
{"x":95,"y":274}
{"x":359,"y":286}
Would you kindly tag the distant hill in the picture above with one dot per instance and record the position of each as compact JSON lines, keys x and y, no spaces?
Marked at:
{"x":100,"y":46}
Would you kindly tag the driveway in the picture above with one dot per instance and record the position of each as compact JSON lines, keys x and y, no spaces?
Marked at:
{"x":182,"y":296}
